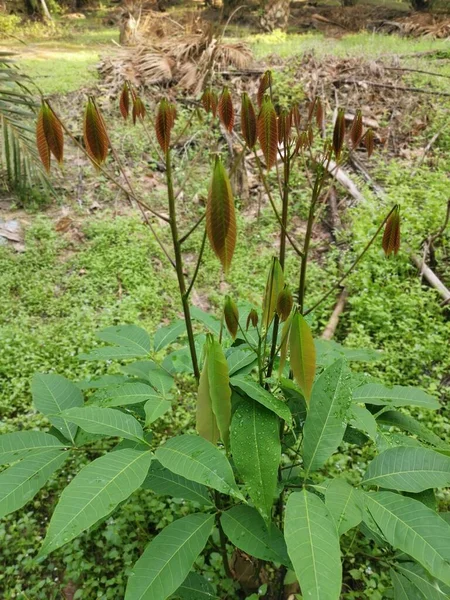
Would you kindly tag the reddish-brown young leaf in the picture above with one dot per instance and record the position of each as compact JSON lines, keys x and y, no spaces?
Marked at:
{"x":339,"y":133}
{"x":164,"y":122}
{"x":267,"y":129}
{"x":95,"y":135}
{"x":274,"y":285}
{"x":311,"y":110}
{"x":139,"y":111}
{"x":320,"y":114}
{"x":220,"y":216}
{"x":369,"y":141}
{"x":206,"y":100}
{"x":41,"y":140}
{"x":124,"y":102}
{"x":295,"y":116}
{"x":310,"y":136}
{"x":53,"y":133}
{"x":391,"y":236}
{"x":356,"y":132}
{"x":285,"y":302}
{"x":252,"y":318}
{"x":284,"y":127}
{"x":214,"y":103}
{"x":226,"y":110}
{"x":248,"y":120}
{"x":231,"y":314}
{"x":265,"y":83}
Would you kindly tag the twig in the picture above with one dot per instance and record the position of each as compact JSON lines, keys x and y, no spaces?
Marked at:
{"x":428,"y":148}
{"x":416,"y":71}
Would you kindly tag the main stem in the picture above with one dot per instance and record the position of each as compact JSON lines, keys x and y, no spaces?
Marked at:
{"x":282,"y":254}
{"x":179,"y":266}
{"x":304,"y":260}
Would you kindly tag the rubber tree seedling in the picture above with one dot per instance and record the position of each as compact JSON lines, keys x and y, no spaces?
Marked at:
{"x":274,"y":405}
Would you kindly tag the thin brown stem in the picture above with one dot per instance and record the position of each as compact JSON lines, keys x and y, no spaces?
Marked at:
{"x":197,"y":266}
{"x":179,"y":266}
{"x":186,"y":235}
{"x":352,"y":266}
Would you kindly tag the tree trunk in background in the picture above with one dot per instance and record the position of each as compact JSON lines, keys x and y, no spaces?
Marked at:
{"x":276,"y":15}
{"x":45,"y":11}
{"x":422,"y":5}
{"x":228,"y":6}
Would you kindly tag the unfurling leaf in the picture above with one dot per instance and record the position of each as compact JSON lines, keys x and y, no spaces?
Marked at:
{"x":95,"y":135}
{"x":206,"y":100}
{"x":231,"y":314}
{"x":138,"y":109}
{"x":285,"y":303}
{"x":284,"y":126}
{"x":248,"y":121}
{"x":303,"y":354}
{"x":206,"y":423}
{"x":356,"y":131}
{"x":252,"y":318}
{"x":49,"y":136}
{"x":320,"y":114}
{"x":219,"y":388}
{"x":339,"y":133}
{"x":124,"y":102}
{"x":391,"y":237}
{"x":369,"y":140}
{"x":226,"y":110}
{"x":220,"y":216}
{"x":267,"y":129}
{"x":284,"y":344}
{"x":164,"y":122}
{"x":310,"y":136}
{"x":274,"y":286}
{"x":265,"y":84}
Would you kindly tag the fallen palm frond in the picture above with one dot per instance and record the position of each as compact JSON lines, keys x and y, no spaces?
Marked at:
{"x":19,"y":158}
{"x":187,"y":61}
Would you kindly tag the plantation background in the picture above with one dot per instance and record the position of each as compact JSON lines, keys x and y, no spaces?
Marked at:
{"x":83,"y":260}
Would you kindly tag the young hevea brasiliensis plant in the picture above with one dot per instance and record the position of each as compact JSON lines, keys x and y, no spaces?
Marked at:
{"x":273,"y":406}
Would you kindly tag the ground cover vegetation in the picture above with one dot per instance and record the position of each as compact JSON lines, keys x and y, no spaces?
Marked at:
{"x":87,"y":262}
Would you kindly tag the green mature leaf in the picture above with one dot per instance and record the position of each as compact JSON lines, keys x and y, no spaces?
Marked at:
{"x":380,"y":395}
{"x":411,"y":425}
{"x":127,"y":336}
{"x":166,"y":335}
{"x":325,"y":422}
{"x":200,"y":461}
{"x":256,"y":449}
{"x":169,"y":557}
{"x":219,"y":388}
{"x":386,"y":439}
{"x":154,"y":409}
{"x":409,"y":470}
{"x":195,"y":587}
{"x":410,"y":526}
{"x":51,"y":395}
{"x":210,"y":322}
{"x":122,"y":395}
{"x":431,"y":588}
{"x":165,"y":483}
{"x":160,"y":379}
{"x":101,"y":382}
{"x":18,"y":445}
{"x":329,"y":351}
{"x":344,"y":503}
{"x":253,"y":390}
{"x":240,"y":360}
{"x":94,"y":493}
{"x":111,"y":353}
{"x":403,"y":588}
{"x":362,"y":419}
{"x":303,"y":354}
{"x":313,"y":546}
{"x":20,"y":482}
{"x":105,"y":421}
{"x":246,"y":529}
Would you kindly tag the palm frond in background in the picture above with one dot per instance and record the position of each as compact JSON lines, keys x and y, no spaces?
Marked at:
{"x":20,"y":167}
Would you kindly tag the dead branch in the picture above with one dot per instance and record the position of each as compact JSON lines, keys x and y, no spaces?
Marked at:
{"x":417,"y":71}
{"x":332,"y":324}
{"x":391,"y":87}
{"x":342,"y":177}
{"x":431,"y":278}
